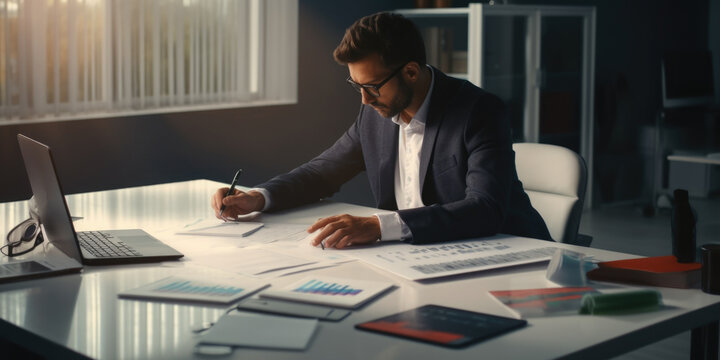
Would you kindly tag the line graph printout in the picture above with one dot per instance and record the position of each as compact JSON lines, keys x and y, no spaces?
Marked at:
{"x":419,"y":262}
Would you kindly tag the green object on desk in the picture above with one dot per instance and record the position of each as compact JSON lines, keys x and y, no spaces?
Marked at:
{"x":620,"y":303}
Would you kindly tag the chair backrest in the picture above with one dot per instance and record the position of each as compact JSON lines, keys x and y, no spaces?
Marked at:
{"x":554,"y":178}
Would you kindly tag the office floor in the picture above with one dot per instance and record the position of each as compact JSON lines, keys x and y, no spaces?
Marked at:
{"x":625,"y":229}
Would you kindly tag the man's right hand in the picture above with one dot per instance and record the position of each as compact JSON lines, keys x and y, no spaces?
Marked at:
{"x":239,"y":203}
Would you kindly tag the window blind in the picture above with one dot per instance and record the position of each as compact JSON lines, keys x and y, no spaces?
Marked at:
{"x":63,"y":59}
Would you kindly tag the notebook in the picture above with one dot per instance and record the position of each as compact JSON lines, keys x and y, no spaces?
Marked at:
{"x":93,"y":247}
{"x":663,"y":271}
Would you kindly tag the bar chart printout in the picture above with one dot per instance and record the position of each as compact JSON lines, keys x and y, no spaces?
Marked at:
{"x":190,"y":287}
{"x":324,"y":288}
{"x":194,"y":289}
{"x":347,"y":293}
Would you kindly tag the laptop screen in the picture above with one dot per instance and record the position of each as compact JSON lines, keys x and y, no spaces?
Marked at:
{"x":49,"y":197}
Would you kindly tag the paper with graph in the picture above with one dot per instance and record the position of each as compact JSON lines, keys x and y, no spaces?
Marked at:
{"x":187,"y":288}
{"x":341,"y":292}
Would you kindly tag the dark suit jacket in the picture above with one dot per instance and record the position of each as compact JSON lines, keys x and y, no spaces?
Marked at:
{"x":469,"y":182}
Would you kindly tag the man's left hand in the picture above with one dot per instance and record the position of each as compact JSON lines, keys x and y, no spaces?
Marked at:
{"x":341,"y":231}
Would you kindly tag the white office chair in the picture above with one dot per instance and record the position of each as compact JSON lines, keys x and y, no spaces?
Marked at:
{"x":554,"y":178}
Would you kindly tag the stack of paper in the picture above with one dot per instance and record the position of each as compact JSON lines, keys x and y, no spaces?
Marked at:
{"x":215,"y":227}
{"x":261,"y":331}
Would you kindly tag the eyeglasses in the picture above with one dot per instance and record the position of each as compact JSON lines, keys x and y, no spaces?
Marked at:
{"x":372,"y":89}
{"x":23,"y":238}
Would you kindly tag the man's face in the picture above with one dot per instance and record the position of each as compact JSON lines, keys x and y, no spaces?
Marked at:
{"x":395,"y":95}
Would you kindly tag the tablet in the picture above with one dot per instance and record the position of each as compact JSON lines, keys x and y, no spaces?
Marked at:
{"x":443,"y":326}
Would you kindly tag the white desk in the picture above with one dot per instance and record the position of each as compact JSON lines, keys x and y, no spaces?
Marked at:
{"x":81,"y":314}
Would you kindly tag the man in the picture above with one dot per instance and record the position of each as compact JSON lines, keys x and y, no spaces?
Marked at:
{"x":438,"y":150}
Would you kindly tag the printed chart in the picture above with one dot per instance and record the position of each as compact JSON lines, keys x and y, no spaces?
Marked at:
{"x":326,"y":288}
{"x":196,"y":289}
{"x":347,"y":293}
{"x":193,"y":287}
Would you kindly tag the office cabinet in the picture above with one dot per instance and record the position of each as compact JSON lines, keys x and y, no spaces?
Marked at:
{"x":538,"y":59}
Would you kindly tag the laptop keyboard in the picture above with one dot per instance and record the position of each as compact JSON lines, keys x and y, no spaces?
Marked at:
{"x":101,"y":244}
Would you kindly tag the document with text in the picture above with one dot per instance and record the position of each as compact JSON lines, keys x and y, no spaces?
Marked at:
{"x":419,"y":262}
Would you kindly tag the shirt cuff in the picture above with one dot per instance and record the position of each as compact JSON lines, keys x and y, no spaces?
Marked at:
{"x":392,"y":227}
{"x":265,"y":194}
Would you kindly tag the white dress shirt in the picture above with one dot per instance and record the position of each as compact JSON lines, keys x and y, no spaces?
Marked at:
{"x":407,"y":172}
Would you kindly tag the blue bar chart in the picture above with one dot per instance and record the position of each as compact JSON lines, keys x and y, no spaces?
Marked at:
{"x":326,"y":288}
{"x":191,"y":287}
{"x":221,"y":290}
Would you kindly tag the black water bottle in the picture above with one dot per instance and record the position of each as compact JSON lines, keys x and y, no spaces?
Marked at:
{"x":683,"y":228}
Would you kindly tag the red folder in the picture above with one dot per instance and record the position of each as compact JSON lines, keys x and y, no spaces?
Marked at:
{"x":663,"y":271}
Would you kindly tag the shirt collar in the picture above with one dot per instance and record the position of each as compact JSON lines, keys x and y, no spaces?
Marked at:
{"x":421,"y":114}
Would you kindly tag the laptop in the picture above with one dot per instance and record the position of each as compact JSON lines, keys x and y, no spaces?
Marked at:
{"x":52,"y":262}
{"x":90,"y":247}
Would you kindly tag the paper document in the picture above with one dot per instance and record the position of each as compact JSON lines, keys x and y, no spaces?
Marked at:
{"x":299,"y":246}
{"x":261,"y":331}
{"x":418,"y":262}
{"x":191,"y":288}
{"x":527,"y":303}
{"x":272,"y":232}
{"x":215,"y":227}
{"x":325,"y":290}
{"x":251,"y":261}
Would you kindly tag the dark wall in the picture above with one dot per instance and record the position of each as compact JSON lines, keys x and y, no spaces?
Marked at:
{"x":119,"y":152}
{"x":631,"y":37}
{"x":714,"y":42}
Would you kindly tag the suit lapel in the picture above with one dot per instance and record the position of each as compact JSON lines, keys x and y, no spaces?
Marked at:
{"x":432,"y":125}
{"x":389,"y":147}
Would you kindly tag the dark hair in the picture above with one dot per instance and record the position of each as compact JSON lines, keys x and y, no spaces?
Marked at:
{"x":392,"y":36}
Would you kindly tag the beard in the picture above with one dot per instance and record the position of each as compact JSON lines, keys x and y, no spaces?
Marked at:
{"x":398,"y":103}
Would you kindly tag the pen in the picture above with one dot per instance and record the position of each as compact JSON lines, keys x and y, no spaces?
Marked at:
{"x":322,"y":244}
{"x":252,"y":231}
{"x":231,"y":189}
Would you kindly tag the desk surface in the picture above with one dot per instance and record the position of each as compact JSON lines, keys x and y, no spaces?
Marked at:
{"x":82,"y":314}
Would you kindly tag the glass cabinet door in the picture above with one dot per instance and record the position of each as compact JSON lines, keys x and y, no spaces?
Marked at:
{"x":505,"y":61}
{"x":561,"y":55}
{"x":538,"y":59}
